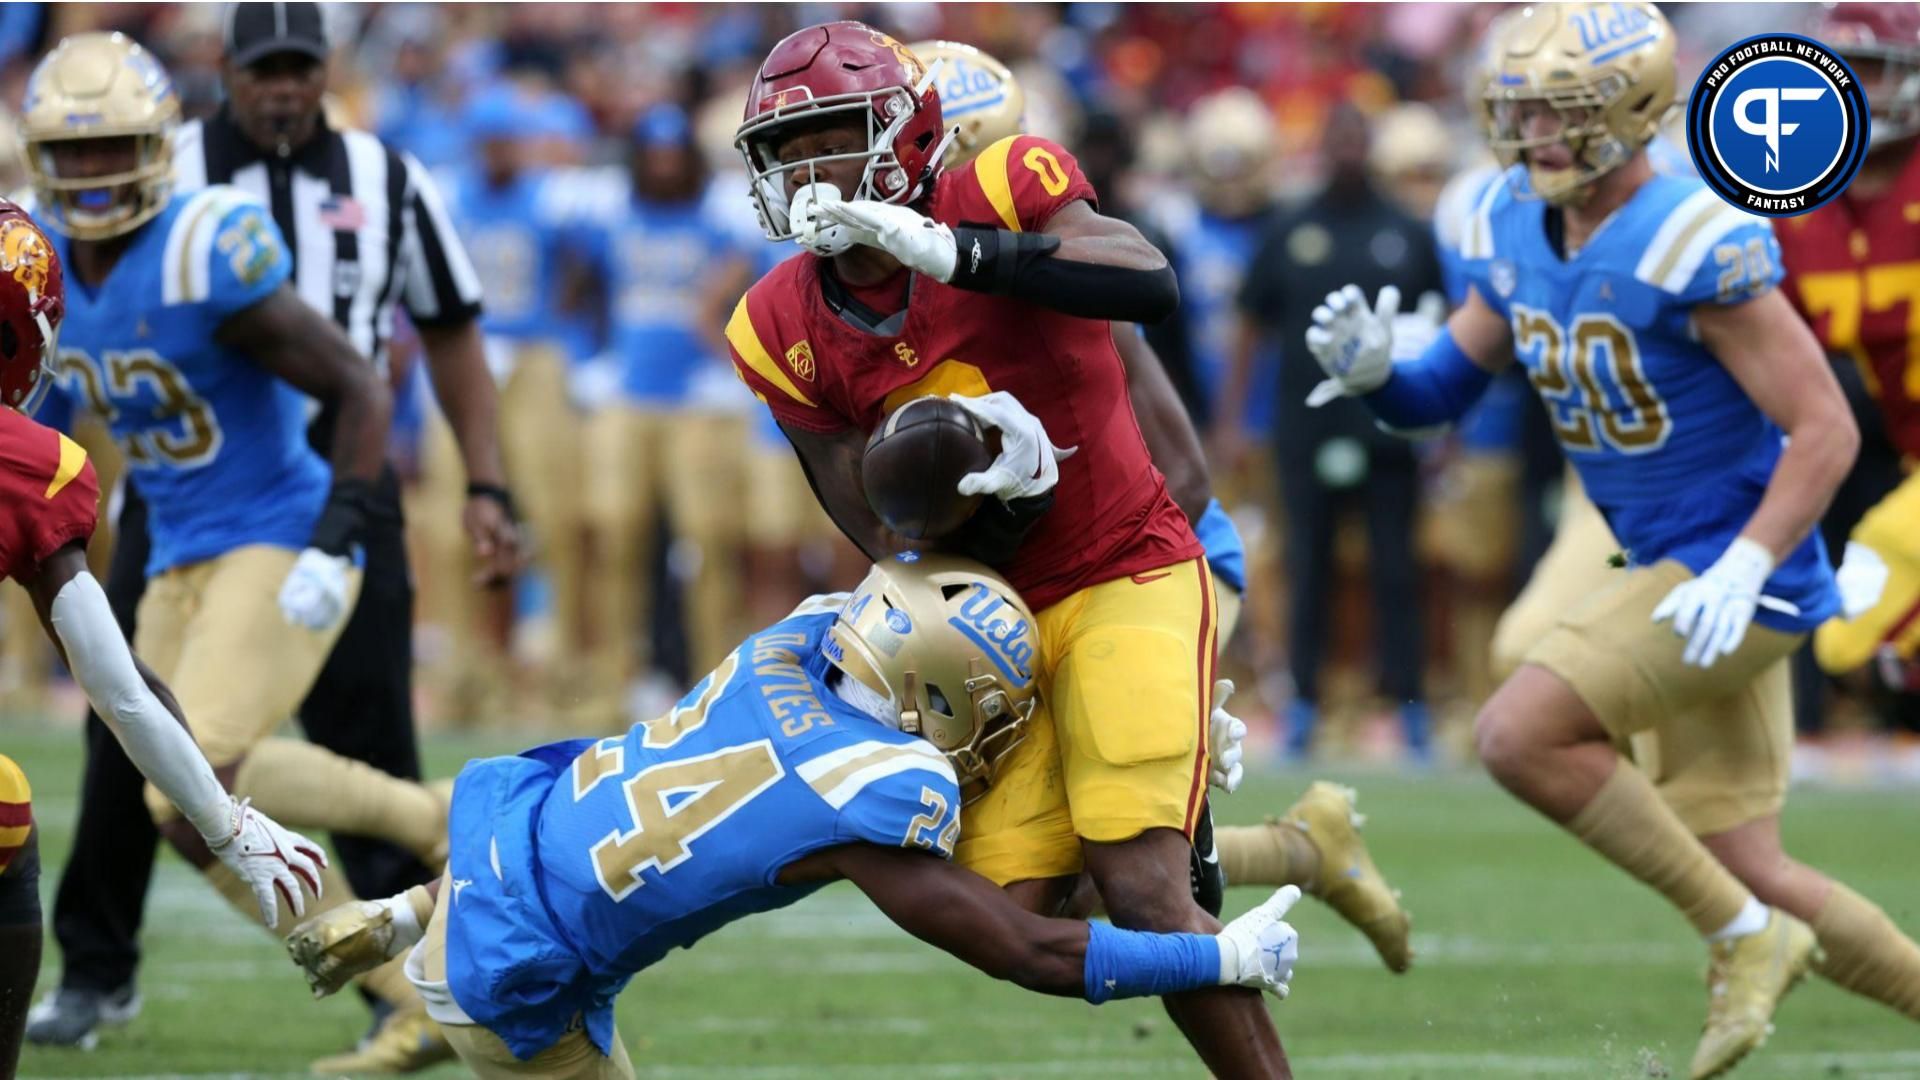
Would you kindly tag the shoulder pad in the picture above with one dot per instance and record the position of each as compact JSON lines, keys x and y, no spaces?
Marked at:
{"x":186,"y":268}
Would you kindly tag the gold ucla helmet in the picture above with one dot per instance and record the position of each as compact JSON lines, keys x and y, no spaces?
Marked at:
{"x":952,"y":647}
{"x":100,"y":86}
{"x":1605,"y":70}
{"x":978,"y":96}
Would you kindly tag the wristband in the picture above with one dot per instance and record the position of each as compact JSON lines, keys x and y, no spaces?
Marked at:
{"x":344,"y":517}
{"x":478,"y":490}
{"x":1132,"y":963}
{"x":991,"y":260}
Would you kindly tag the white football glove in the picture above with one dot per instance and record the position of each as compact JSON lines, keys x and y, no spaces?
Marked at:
{"x":1862,"y":577}
{"x":1225,"y":733}
{"x":1352,"y":342}
{"x":1713,"y":611}
{"x":812,"y":230}
{"x":316,"y":591}
{"x":1259,"y":949}
{"x":1029,"y":463}
{"x":921,"y":243}
{"x":272,"y":860}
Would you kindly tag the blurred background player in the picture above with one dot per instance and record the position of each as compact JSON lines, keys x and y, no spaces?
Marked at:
{"x":50,"y":496}
{"x":513,"y":214}
{"x":367,"y":239}
{"x":675,"y":430}
{"x":1315,"y":844}
{"x":822,"y":751}
{"x":1331,"y":458}
{"x":195,"y":363}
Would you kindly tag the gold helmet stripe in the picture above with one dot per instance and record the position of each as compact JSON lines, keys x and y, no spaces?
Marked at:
{"x":990,"y":168}
{"x":842,"y":774}
{"x":746,"y":341}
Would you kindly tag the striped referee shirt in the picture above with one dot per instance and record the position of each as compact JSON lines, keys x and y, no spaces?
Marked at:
{"x":364,"y":221}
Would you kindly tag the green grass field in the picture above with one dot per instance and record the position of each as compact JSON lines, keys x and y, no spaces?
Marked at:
{"x":1535,"y":960}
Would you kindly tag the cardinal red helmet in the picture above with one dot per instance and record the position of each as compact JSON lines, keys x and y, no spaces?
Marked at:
{"x":32,"y":302}
{"x":1882,"y":43}
{"x":846,"y":70}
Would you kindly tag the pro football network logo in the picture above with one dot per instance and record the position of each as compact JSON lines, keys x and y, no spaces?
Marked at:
{"x":1777,"y":124}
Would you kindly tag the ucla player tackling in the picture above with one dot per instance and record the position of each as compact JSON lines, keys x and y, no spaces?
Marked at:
{"x":1709,"y":432}
{"x":838,"y":743}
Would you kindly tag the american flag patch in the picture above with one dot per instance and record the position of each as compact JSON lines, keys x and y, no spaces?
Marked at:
{"x":342,"y":213}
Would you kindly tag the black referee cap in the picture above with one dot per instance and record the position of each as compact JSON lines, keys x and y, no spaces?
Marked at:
{"x":256,"y":31}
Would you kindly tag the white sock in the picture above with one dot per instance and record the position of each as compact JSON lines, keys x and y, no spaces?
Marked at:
{"x":407,"y":930}
{"x":1751,"y":920}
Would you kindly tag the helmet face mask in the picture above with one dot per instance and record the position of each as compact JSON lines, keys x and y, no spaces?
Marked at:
{"x":951,"y":647}
{"x":841,"y":74}
{"x":99,"y":89}
{"x":1594,"y":78}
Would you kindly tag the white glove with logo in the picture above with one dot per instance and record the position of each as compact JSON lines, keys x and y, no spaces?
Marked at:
{"x":315,"y":594}
{"x":1862,"y":577}
{"x":1029,"y":463}
{"x":1352,"y":342}
{"x":1225,"y":733}
{"x":921,"y":243}
{"x":1713,"y":611}
{"x":812,"y":229}
{"x":1259,"y":949}
{"x":272,"y":860}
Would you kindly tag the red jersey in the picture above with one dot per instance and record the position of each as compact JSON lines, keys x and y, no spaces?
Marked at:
{"x":818,"y":371}
{"x":49,"y":496}
{"x":1853,"y":268}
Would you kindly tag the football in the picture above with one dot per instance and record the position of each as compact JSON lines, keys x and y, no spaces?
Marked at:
{"x":913,"y":465}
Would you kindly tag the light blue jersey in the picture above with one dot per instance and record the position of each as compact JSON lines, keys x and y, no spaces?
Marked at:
{"x":654,"y":256}
{"x":578,"y":864}
{"x":512,"y":234}
{"x":1667,"y":443}
{"x":1214,"y":254}
{"x":215,"y":444}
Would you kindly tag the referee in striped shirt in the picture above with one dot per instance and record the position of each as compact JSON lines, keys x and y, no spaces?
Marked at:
{"x":368,"y":234}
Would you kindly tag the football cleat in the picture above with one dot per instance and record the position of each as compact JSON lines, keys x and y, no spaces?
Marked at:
{"x":1746,"y":978}
{"x":1348,"y":882}
{"x":74,"y":1017}
{"x":340,"y":943}
{"x":408,"y":1041}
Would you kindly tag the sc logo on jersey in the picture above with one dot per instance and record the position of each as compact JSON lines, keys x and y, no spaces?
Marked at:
{"x":1777,"y":124}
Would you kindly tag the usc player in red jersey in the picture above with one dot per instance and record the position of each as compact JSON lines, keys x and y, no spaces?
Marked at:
{"x":994,"y":282}
{"x":48,"y":507}
{"x":1853,"y":268}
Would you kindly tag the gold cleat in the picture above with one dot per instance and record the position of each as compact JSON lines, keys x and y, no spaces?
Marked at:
{"x":1746,"y":978}
{"x":340,"y":943}
{"x":408,"y":1041}
{"x":1348,"y":881}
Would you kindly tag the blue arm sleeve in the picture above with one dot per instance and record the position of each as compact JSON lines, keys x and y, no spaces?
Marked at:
{"x":1438,"y":388}
{"x":1226,"y":554}
{"x":1129,"y":963}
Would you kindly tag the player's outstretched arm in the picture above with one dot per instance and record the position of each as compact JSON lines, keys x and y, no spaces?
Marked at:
{"x":144,"y":716}
{"x":1772,"y":353}
{"x":968,"y":916}
{"x":1352,"y":341}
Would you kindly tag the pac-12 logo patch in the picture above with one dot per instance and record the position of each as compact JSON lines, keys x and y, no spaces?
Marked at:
{"x":1777,"y":124}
